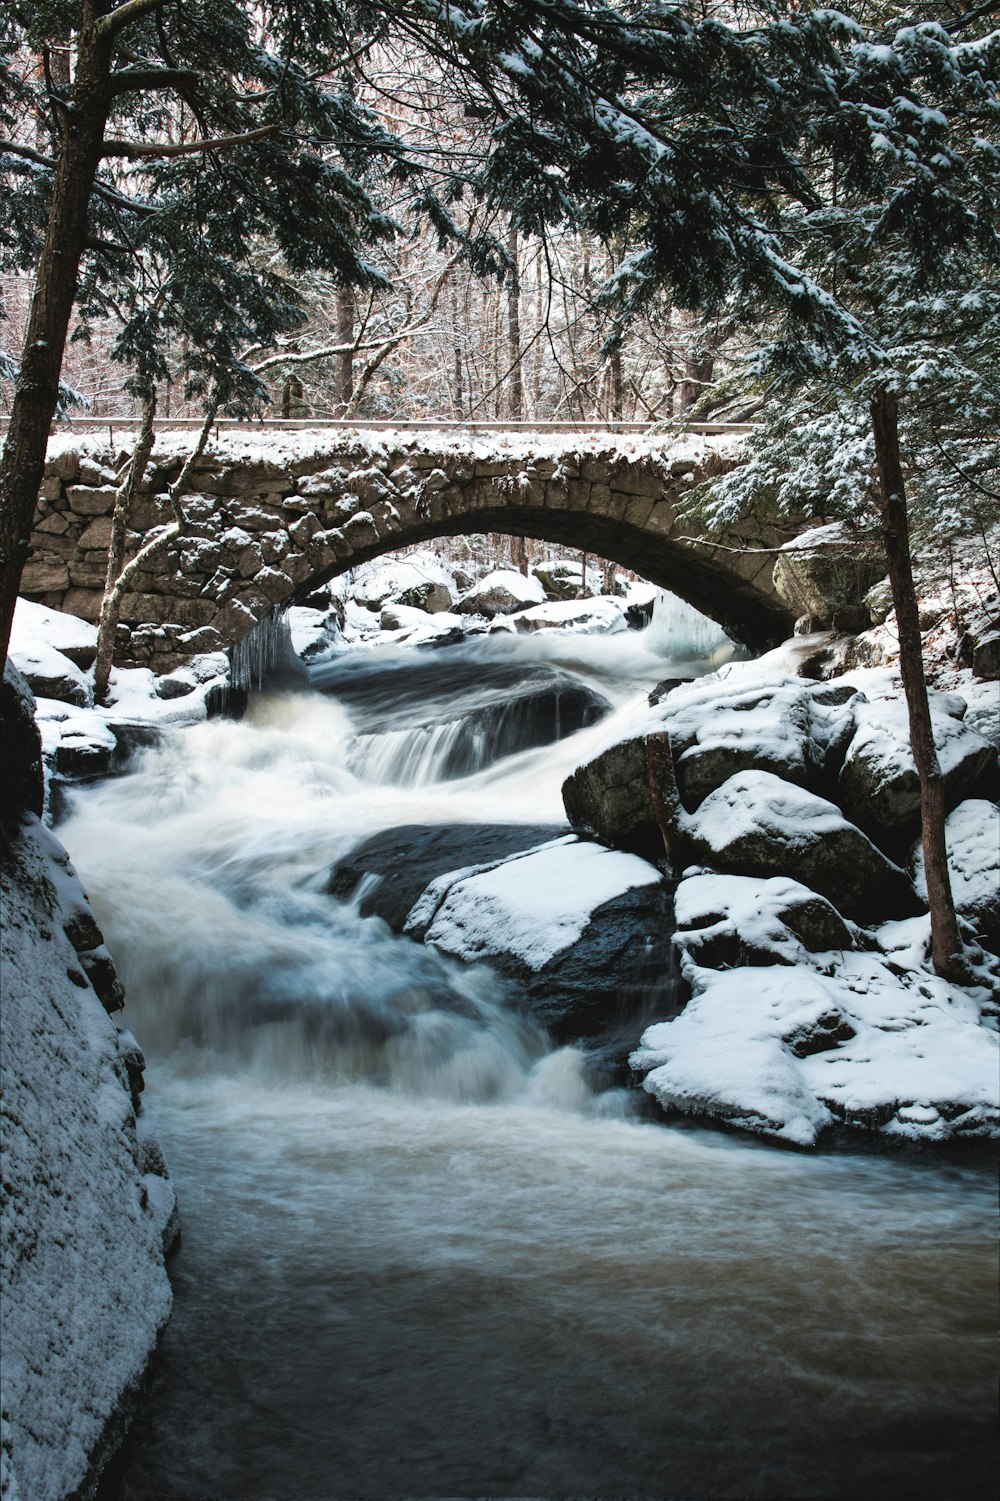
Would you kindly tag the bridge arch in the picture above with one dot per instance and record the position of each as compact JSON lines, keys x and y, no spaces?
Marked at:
{"x":271,"y":518}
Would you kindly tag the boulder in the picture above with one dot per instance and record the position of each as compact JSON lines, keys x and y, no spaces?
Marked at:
{"x":825,"y":573}
{"x":725,"y":922}
{"x":567,"y":921}
{"x":399,"y":617}
{"x":502,"y":592}
{"x":609,"y":796}
{"x":22,"y":786}
{"x":406,"y":860}
{"x":75,"y":638}
{"x":583,"y":931}
{"x":586,"y":617}
{"x":51,"y":675}
{"x":431,"y":595}
{"x":789,"y":1054}
{"x":878,"y":784}
{"x":986,"y":657}
{"x":973,"y":839}
{"x":560,"y":577}
{"x":756,"y":824}
{"x":718,"y":725}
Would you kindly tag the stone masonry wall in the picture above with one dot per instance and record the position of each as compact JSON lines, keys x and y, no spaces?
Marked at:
{"x":269,"y":520}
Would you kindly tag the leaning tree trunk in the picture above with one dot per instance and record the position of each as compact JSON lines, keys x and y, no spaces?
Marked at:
{"x":107,"y":625}
{"x":37,"y":391}
{"x":946,"y":942}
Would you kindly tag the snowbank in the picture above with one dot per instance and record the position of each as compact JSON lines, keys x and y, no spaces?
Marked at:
{"x":85,"y":1293}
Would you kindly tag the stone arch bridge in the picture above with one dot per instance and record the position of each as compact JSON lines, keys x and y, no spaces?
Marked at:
{"x":274,"y":515}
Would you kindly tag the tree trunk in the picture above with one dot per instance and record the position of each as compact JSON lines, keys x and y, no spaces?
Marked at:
{"x":37,"y":391}
{"x":514,"y":332}
{"x":107,"y":625}
{"x":584,"y":591}
{"x":946,"y":942}
{"x":667,"y":807}
{"x":344,"y":363}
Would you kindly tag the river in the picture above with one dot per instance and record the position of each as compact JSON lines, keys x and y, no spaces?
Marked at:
{"x":423,"y":1253}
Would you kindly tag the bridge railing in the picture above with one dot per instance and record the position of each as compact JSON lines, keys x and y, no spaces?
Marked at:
{"x":419,"y":424}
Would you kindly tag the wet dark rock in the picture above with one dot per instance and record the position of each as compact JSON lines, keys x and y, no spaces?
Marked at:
{"x":819,"y":1036}
{"x":603,"y":989}
{"x":408,"y":859}
{"x":986,"y":657}
{"x":22,"y":786}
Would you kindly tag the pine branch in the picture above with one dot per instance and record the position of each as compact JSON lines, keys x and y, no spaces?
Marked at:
{"x":138,"y":80}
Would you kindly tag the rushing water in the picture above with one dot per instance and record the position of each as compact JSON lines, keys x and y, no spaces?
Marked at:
{"x":421,"y":1256}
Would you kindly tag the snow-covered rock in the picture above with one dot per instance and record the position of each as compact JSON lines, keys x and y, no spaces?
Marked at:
{"x":728,"y":922}
{"x":878,"y":784}
{"x":561,"y":577}
{"x":586,"y":617}
{"x":973,"y":839}
{"x":312,"y":632}
{"x":787,"y":1053}
{"x":740,"y":719}
{"x":584,"y":932}
{"x":398,"y":617}
{"x":430,"y":595}
{"x":394,"y":576}
{"x":84,"y":1288}
{"x":533,"y":906}
{"x":50,"y":674}
{"x":34,"y":624}
{"x":757,"y":824}
{"x":501,"y":592}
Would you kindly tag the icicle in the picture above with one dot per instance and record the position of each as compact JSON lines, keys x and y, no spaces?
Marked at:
{"x":253,"y":658}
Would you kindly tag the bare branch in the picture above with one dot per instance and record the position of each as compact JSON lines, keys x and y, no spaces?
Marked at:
{"x":137,"y":150}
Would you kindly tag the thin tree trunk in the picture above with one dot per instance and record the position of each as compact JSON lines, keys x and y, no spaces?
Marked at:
{"x":514,"y":332}
{"x":946,"y":942}
{"x":344,"y":363}
{"x":667,"y":808}
{"x":107,"y":625}
{"x":111,"y":605}
{"x":583,"y":592}
{"x":37,"y":391}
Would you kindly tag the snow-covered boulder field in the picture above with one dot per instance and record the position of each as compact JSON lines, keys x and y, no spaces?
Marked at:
{"x":87,"y":1210}
{"x":812,"y":1027}
{"x":802,"y":936}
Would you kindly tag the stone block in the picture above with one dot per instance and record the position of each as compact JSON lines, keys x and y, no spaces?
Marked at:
{"x":55,"y":525}
{"x":93,"y":474}
{"x":276,"y":584}
{"x":97,"y":536}
{"x":88,"y":573}
{"x":51,"y":488}
{"x":159,"y":609}
{"x":86,"y":603}
{"x":65,"y":465}
{"x":51,"y":545}
{"x":88,"y":501}
{"x":41,"y":574}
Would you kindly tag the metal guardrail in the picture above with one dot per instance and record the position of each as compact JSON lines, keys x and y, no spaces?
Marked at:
{"x":419,"y":424}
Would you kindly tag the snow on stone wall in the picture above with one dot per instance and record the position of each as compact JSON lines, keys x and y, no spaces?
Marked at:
{"x":85,"y":1291}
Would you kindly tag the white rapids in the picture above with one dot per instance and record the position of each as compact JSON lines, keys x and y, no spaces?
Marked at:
{"x":421,"y":1255}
